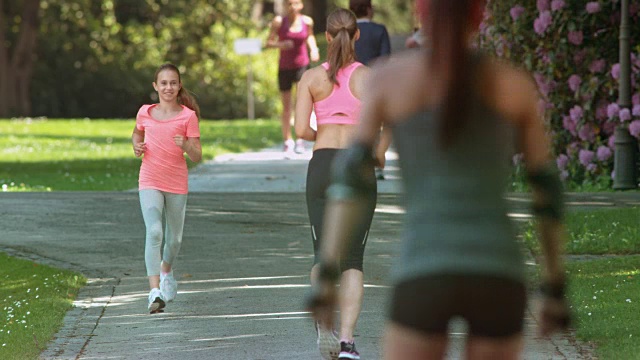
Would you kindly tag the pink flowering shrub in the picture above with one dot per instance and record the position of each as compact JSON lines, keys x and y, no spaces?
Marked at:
{"x":571,"y":49}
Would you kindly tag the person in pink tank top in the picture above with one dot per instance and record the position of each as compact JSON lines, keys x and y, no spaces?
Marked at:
{"x":292,"y":34}
{"x":163,"y":133}
{"x":334,"y":90}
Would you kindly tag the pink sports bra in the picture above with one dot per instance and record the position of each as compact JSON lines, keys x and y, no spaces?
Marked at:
{"x":341,"y":107}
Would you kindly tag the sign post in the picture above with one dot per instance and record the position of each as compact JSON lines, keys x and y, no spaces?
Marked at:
{"x":249,"y":46}
{"x":626,"y":146}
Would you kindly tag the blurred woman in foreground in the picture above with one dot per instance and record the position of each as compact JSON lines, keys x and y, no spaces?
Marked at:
{"x":456,"y":116}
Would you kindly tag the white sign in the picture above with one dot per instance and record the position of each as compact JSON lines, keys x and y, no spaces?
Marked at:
{"x":247,"y":46}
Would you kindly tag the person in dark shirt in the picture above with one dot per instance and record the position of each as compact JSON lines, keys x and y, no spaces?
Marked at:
{"x":374,"y":38}
{"x":373,"y":43}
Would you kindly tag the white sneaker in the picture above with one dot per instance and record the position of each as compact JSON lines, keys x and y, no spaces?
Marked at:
{"x":299,"y":147}
{"x":289,"y":146}
{"x":156,"y":303}
{"x":168,"y":286}
{"x":328,"y":343}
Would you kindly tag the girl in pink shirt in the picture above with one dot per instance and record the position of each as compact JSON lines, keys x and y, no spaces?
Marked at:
{"x":163,"y":133}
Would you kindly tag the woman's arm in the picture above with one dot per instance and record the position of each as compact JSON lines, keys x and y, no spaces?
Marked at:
{"x":311,"y":41}
{"x":547,"y":195}
{"x":548,"y":207}
{"x":304,"y":106}
{"x":272,"y":40}
{"x":137,"y":139}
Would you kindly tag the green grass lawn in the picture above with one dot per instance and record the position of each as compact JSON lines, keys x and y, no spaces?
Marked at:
{"x":597,"y":232}
{"x":605,"y":298}
{"x":93,"y":155}
{"x":604,"y":293}
{"x":33,"y":302}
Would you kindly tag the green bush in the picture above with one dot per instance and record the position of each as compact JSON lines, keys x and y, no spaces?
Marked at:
{"x":571,"y":47}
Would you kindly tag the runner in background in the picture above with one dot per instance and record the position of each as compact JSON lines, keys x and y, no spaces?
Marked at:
{"x":163,"y":133}
{"x":293,"y":35}
{"x":334,"y":89}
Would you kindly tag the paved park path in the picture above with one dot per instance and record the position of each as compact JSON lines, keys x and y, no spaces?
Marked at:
{"x":242,"y":271}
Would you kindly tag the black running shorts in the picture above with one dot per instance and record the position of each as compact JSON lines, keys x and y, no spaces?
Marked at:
{"x":287,"y":77}
{"x":492,"y":307}
{"x":318,"y":180}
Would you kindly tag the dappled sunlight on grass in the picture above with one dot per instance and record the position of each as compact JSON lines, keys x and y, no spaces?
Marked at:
{"x":605,"y":299}
{"x":33,"y":302}
{"x":89,"y":155}
{"x":605,"y":231}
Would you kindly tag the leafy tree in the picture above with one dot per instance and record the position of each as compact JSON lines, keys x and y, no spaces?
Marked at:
{"x":96,"y":58}
{"x":111,"y":49}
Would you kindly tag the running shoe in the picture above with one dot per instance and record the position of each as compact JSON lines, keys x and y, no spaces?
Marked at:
{"x":299,"y":148}
{"x":168,"y":286}
{"x":348,"y":351}
{"x":156,"y":303}
{"x":328,"y":343}
{"x":289,"y":146}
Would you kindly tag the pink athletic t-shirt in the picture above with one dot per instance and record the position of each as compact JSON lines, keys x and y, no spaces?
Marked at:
{"x":163,"y":166}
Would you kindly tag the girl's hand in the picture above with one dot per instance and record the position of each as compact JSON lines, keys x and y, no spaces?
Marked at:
{"x":180,"y":141}
{"x":139,"y":148}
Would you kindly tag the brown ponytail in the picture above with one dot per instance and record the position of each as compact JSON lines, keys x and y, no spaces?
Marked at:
{"x":342,"y":26}
{"x":448,"y":23}
{"x":184,"y":97}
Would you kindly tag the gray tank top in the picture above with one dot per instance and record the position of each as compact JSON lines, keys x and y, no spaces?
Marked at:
{"x":456,"y":215}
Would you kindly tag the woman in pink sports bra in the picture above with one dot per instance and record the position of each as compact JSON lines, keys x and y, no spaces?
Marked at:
{"x":163,"y":133}
{"x":292,"y":34}
{"x":334,"y":89}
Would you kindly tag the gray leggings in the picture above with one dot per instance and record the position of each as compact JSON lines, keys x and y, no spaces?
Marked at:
{"x":153,"y":204}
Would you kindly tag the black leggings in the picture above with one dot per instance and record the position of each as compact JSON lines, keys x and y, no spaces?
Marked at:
{"x":492,"y":306}
{"x":318,"y":180}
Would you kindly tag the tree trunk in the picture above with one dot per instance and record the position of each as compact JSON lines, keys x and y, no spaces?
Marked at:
{"x":4,"y":70}
{"x":317,"y":9}
{"x":17,"y":62}
{"x":257,"y":11}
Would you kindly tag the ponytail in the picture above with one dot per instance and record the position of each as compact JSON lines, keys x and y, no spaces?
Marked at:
{"x":185,"y":98}
{"x":342,"y":26}
{"x":450,"y":57}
